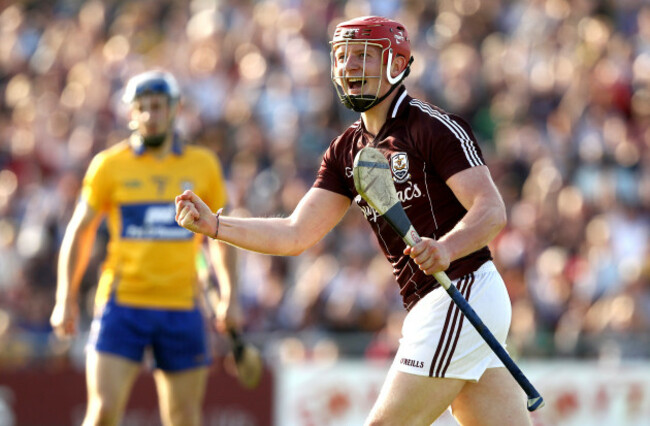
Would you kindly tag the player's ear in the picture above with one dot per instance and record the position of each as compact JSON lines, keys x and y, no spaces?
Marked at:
{"x":132,"y":118}
{"x":175,"y":107}
{"x":398,"y":65}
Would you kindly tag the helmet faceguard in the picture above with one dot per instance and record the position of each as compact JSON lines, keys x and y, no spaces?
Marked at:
{"x":152,"y":83}
{"x":390,"y":36}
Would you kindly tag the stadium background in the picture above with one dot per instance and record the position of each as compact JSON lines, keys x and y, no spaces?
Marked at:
{"x":557,"y":91}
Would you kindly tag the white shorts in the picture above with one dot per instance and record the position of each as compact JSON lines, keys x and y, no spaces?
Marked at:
{"x":438,"y":341}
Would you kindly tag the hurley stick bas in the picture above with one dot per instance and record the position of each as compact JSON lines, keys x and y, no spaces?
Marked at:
{"x":247,"y":359}
{"x":373,"y":181}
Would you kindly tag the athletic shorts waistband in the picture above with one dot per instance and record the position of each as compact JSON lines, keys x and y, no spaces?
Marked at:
{"x":486,"y":267}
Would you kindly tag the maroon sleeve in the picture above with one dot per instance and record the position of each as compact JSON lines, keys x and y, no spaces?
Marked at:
{"x":454,"y":147}
{"x":332,"y":172}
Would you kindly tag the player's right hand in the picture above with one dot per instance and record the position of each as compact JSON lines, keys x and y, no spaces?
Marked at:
{"x":193,"y":214}
{"x":64,"y":319}
{"x":430,"y":255}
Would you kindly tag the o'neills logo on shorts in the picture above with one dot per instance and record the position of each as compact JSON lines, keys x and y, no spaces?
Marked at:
{"x":411,"y":363}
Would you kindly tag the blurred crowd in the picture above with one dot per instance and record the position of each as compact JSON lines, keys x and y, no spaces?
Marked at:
{"x":557,"y":91}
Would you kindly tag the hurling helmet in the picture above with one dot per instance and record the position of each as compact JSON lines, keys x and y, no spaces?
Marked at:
{"x":390,"y":36}
{"x":151,"y":82}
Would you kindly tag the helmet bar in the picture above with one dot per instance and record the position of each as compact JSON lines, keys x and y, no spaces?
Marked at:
{"x":362,"y":102}
{"x":384,"y":33}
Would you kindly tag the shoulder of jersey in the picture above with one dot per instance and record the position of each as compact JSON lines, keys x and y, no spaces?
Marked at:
{"x":351,"y":129}
{"x":421,"y":110}
{"x":198,"y":151}
{"x":114,"y":151}
{"x":123,"y":147}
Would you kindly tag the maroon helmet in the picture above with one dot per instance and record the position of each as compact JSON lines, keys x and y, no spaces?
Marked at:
{"x":388,"y":35}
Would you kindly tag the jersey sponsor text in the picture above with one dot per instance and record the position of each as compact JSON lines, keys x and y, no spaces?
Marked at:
{"x":151,"y":222}
{"x":410,"y":192}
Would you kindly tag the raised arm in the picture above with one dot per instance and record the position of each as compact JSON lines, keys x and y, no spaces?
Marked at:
{"x":316,"y":214}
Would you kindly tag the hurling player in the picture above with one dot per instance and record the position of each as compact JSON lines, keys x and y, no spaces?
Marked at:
{"x":148,"y":291}
{"x":449,"y":196}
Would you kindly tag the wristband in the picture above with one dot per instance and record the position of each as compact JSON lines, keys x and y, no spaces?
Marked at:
{"x":216,"y":231}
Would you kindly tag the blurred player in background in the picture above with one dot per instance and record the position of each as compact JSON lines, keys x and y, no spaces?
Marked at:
{"x":148,"y":293}
{"x":448,"y":194}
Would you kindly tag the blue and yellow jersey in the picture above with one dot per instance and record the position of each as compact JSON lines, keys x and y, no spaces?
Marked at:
{"x":151,"y":261}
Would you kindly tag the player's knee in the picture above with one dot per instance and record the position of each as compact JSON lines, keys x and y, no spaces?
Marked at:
{"x":102,"y":412}
{"x":401,"y":419}
{"x":377,"y":422}
{"x":191,"y":419}
{"x":183,"y":414}
{"x":398,"y":422}
{"x":377,"y":417}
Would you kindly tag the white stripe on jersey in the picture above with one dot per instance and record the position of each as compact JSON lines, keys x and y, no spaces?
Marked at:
{"x":397,"y":104}
{"x":465,"y":141}
{"x":426,"y":189}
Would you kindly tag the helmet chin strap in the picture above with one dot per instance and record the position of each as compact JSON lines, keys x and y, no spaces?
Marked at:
{"x":362,"y":103}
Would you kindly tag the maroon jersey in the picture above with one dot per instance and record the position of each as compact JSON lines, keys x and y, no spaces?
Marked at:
{"x":425,"y":146}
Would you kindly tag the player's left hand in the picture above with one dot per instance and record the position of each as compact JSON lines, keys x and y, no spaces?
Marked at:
{"x":430,"y":255}
{"x":228,"y":316}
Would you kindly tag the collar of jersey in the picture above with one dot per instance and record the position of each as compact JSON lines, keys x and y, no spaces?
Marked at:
{"x":398,"y":101}
{"x":139,"y":148}
{"x":395,"y":107}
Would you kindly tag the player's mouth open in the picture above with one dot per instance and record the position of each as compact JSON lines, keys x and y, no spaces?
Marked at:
{"x":355,"y":83}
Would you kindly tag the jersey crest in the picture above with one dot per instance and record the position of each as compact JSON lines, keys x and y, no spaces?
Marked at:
{"x":399,"y":165}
